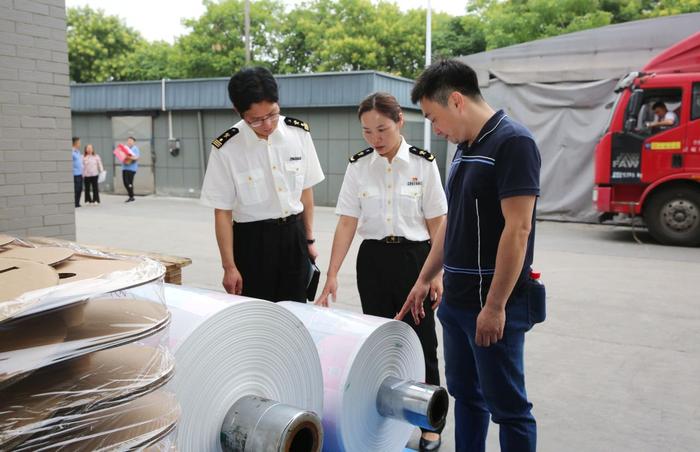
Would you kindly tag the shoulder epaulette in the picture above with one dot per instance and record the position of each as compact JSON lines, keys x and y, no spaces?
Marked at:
{"x":361,"y":154}
{"x":297,"y":123}
{"x":224,"y":137}
{"x":421,"y":153}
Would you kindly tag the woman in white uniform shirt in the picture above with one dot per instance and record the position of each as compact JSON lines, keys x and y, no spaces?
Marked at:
{"x":392,"y":196}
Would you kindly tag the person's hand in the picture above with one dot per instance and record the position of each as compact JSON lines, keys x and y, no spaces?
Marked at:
{"x":329,"y":291}
{"x":436,"y":292}
{"x":233,"y":281}
{"x":414,"y":302}
{"x":127,"y":161}
{"x":313,"y":254}
{"x":489,"y":325}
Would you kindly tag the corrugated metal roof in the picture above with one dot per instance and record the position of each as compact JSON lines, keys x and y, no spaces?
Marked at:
{"x":332,"y":89}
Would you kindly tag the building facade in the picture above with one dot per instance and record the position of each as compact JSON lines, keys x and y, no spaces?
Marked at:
{"x":175,"y":121}
{"x":36,"y":181}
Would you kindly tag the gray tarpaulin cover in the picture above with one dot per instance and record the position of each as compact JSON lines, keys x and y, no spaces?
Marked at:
{"x":559,"y":87}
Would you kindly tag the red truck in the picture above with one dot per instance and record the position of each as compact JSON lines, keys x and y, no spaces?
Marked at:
{"x":648,"y":161}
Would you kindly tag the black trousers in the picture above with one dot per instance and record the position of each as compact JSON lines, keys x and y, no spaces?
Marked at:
{"x":92,"y":192}
{"x":128,"y":179}
{"x":78,"y":188}
{"x":273,"y":259}
{"x":386,"y":273}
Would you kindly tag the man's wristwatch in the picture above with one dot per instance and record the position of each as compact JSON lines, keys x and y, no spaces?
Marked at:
{"x":310,"y":241}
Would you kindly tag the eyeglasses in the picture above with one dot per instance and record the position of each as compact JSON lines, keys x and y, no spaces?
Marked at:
{"x":272,"y":117}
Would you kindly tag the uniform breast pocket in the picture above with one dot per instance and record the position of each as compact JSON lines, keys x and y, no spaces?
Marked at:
{"x":410,"y":199}
{"x":295,"y":175}
{"x":370,"y":201}
{"x":251,"y":187}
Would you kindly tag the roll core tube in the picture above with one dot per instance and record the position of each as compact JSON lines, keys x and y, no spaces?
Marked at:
{"x":419,"y":404}
{"x":262,"y":425}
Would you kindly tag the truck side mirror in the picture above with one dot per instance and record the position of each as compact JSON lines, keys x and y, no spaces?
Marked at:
{"x":635,"y":103}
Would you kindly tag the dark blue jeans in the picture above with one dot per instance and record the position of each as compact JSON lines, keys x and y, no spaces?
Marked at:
{"x":488,"y":381}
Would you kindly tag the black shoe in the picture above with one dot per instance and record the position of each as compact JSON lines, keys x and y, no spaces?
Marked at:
{"x":130,"y":200}
{"x":77,"y":205}
{"x":426,"y":445}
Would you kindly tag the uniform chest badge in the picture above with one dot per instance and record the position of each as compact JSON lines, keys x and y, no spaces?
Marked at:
{"x":414,"y":182}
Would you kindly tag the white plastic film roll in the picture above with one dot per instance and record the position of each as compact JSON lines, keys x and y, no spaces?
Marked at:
{"x":357,"y":353}
{"x":227,"y":347}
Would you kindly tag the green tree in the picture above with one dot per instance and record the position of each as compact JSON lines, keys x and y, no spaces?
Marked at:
{"x":328,"y":35}
{"x":461,"y":35}
{"x":99,"y":46}
{"x":508,"y":22}
{"x":215,"y":46}
{"x":515,"y":21}
{"x":154,"y":61}
{"x":672,"y":7}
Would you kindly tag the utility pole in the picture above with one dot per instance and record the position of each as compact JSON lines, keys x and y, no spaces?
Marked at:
{"x":247,"y":32}
{"x":428,"y":59}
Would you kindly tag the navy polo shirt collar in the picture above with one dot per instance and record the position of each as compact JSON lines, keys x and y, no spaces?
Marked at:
{"x":488,"y":128}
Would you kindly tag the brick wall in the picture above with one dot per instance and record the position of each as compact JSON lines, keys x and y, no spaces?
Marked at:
{"x":36,"y":182}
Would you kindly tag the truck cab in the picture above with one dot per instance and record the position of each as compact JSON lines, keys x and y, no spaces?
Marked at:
{"x":648,"y":161}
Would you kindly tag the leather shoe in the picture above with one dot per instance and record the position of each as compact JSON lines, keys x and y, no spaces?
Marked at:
{"x":426,"y":445}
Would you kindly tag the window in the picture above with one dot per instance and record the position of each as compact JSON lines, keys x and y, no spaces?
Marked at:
{"x":670,"y":98}
{"x":695,"y":112}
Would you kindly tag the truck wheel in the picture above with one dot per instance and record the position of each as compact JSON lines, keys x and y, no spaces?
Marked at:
{"x":673,"y":216}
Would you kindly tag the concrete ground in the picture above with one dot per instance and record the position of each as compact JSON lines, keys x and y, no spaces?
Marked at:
{"x":616,"y":366}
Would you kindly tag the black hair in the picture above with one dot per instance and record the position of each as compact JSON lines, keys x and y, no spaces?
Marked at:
{"x":132,"y":138}
{"x":384,"y":103}
{"x":444,"y":77}
{"x":75,"y":140}
{"x":252,"y":85}
{"x":659,"y":104}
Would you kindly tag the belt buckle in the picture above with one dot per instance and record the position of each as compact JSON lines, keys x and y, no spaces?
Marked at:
{"x":283,"y":220}
{"x":392,"y":239}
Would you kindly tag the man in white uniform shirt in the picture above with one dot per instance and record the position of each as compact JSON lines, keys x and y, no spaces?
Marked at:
{"x":260,"y":177}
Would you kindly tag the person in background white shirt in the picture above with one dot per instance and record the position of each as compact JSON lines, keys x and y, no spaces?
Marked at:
{"x":663,"y":119}
{"x":260,"y":177}
{"x":392,"y":196}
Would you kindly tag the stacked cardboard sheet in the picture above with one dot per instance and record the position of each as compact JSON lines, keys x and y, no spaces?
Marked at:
{"x":74,"y":374}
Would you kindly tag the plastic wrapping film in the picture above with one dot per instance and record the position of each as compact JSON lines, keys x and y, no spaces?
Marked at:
{"x":58,"y":393}
{"x":73,"y":374}
{"x":37,"y":341}
{"x":358,"y":352}
{"x":28,"y":285}
{"x":135,"y":425}
{"x":228,"y":347}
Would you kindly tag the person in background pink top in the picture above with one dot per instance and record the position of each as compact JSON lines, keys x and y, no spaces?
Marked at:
{"x":92,"y":166}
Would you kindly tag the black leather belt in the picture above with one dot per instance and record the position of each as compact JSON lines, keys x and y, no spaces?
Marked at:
{"x":393,"y":239}
{"x":278,"y":221}
{"x":286,"y":220}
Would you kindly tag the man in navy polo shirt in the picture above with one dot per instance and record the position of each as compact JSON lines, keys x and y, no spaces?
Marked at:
{"x":486,"y":249}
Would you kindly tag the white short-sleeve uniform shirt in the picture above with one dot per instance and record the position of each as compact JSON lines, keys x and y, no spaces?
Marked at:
{"x":261,"y":179}
{"x":392,"y":198}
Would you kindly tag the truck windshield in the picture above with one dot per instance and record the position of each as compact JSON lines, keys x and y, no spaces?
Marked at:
{"x":612,"y":106}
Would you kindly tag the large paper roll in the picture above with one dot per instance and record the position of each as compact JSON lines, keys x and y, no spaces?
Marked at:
{"x":227,"y":347}
{"x":358,"y":353}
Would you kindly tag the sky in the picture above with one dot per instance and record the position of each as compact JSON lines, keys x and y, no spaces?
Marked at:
{"x":160,"y":19}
